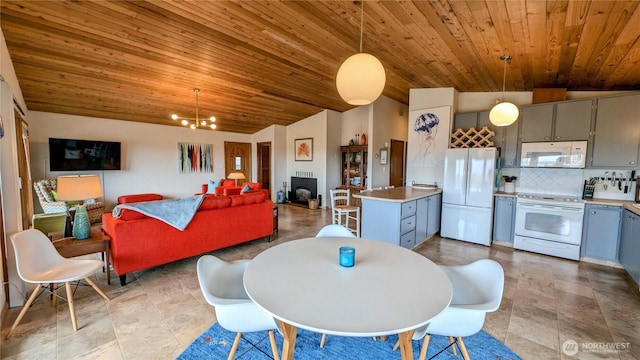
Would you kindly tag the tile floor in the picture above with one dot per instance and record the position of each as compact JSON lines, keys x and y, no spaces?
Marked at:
{"x":546,"y":302}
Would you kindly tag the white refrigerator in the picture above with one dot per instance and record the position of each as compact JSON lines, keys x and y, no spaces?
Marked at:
{"x":467,"y":194}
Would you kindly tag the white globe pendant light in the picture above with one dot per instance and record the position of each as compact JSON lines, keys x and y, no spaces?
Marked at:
{"x":504,"y":113}
{"x":361,"y":78}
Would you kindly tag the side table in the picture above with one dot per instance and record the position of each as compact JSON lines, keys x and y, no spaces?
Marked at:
{"x":70,"y":247}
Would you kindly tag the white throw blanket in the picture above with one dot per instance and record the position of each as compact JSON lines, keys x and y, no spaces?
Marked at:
{"x":175,"y":212}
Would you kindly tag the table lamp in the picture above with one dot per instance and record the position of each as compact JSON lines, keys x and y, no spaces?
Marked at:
{"x":79,"y":188}
{"x":236,"y":176}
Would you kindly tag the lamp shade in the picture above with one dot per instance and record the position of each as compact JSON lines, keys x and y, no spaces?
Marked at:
{"x":78,"y":187}
{"x":504,"y":114}
{"x":360,"y":79}
{"x":236,"y":176}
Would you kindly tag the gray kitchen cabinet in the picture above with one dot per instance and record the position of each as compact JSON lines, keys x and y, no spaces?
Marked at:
{"x":601,"y":232}
{"x":630,"y":244}
{"x":561,"y":121}
{"x":433,"y":220}
{"x":428,"y":217}
{"x":391,"y":222}
{"x":406,"y":223}
{"x":465,"y":120}
{"x":504,"y":218}
{"x":617,"y":132}
{"x":537,"y":122}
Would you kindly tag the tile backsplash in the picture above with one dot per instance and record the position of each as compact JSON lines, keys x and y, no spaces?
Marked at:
{"x":566,"y":182}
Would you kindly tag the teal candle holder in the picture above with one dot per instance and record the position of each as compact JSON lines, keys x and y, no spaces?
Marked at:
{"x":347,"y":256}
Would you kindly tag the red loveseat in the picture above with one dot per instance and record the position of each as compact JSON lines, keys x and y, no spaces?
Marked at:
{"x":139,"y":242}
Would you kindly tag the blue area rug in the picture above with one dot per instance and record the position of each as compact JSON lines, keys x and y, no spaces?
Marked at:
{"x":216,"y":342}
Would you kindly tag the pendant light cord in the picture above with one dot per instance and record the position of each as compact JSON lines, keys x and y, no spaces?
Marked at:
{"x":197,"y":119}
{"x":504,"y":58}
{"x":361,"y":22}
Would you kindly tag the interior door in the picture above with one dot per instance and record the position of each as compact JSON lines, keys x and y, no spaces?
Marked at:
{"x":24,"y":170}
{"x":264,"y":164}
{"x":237,"y":159}
{"x":396,"y":163}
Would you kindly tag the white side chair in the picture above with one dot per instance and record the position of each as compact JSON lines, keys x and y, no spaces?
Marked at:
{"x":222,"y":286}
{"x":342,"y":212}
{"x":38,"y":262}
{"x":328,"y":231}
{"x":334,"y":230}
{"x":477,"y":290}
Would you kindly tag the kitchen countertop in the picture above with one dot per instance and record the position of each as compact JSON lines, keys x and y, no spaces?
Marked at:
{"x":399,"y":194}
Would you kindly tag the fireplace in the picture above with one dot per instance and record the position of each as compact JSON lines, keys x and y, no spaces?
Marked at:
{"x":303,"y":189}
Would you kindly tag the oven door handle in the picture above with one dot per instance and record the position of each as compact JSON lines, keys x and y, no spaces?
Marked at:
{"x":549,"y":207}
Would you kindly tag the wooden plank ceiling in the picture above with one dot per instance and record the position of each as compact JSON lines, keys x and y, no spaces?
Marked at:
{"x":259,"y":63}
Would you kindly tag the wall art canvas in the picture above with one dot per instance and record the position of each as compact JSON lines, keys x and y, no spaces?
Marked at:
{"x":195,"y":158}
{"x":428,"y":138}
{"x":303,"y":149}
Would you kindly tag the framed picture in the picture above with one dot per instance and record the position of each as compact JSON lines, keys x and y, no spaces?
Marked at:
{"x":383,"y":156}
{"x":303,"y":149}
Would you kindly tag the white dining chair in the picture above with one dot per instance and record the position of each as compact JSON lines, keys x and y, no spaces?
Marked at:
{"x":342,"y":213}
{"x":222,"y":287}
{"x":334,"y":230}
{"x":38,"y":262}
{"x":477,"y":290}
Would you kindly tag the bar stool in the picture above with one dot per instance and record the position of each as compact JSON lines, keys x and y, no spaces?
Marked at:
{"x":341,"y":209}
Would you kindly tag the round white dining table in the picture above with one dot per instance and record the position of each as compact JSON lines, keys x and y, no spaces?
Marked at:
{"x":390,"y":290}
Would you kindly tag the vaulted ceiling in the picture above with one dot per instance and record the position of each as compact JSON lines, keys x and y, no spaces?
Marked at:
{"x":259,"y":63}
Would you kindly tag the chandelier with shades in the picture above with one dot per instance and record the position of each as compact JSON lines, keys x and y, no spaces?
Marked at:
{"x":195,"y":123}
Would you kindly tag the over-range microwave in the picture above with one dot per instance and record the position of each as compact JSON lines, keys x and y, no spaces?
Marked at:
{"x":565,"y":154}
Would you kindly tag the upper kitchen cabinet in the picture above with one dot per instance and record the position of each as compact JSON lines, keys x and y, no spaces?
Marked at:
{"x":561,"y":121}
{"x":617,"y":132}
{"x":505,"y":139}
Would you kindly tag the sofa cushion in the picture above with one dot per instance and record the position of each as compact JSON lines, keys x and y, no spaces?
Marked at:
{"x":253,"y":197}
{"x":127,"y":215}
{"x":127,"y":199}
{"x":212,"y":185}
{"x":236,"y":200}
{"x":228,"y":183}
{"x":215,"y":202}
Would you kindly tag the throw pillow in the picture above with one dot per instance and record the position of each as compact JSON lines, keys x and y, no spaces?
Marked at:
{"x":211,"y":189}
{"x":54,"y":195}
{"x":245,"y":188}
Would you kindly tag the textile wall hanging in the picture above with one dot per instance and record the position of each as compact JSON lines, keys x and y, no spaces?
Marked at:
{"x":195,"y":158}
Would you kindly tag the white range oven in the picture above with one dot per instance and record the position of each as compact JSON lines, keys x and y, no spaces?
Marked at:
{"x":550,"y":225}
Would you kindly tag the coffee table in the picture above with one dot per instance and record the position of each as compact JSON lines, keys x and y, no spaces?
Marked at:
{"x":390,"y":290}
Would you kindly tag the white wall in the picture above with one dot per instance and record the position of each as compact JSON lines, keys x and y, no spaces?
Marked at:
{"x":354,"y":121}
{"x":149,"y":153}
{"x":334,"y":141}
{"x":312,"y":127}
{"x":389,"y":121}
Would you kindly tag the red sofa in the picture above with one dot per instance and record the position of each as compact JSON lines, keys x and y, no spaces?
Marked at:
{"x":228,"y":187}
{"x":139,"y":242}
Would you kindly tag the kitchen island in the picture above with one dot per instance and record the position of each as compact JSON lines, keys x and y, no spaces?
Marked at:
{"x":404,"y":216}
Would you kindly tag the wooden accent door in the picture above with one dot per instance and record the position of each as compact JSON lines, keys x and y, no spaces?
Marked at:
{"x":264,"y":164}
{"x":396,"y":163}
{"x":237,"y":159}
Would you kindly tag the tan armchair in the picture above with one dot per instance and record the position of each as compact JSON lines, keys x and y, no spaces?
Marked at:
{"x":49,"y":205}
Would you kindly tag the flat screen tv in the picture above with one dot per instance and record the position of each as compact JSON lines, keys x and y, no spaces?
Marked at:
{"x":79,"y":155}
